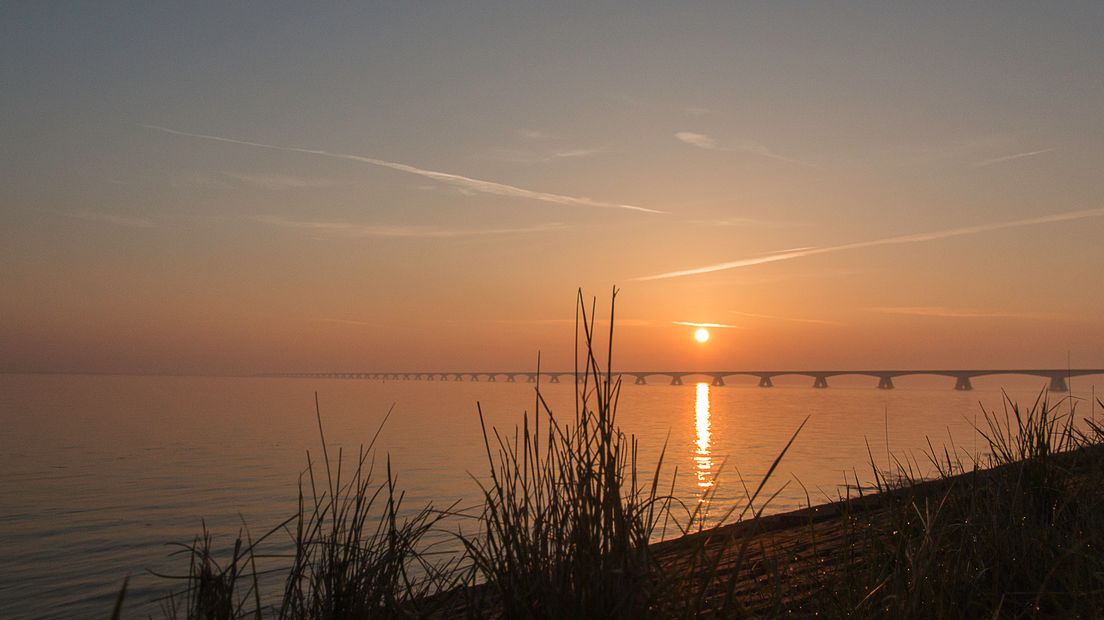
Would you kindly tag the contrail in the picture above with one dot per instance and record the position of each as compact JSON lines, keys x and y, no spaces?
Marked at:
{"x":477,"y":185}
{"x":914,"y":238}
{"x":703,"y":141}
{"x":997,"y":160}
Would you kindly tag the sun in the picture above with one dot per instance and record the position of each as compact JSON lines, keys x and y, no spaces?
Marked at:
{"x":701,"y":334}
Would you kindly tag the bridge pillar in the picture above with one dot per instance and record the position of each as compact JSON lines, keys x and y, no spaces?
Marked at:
{"x":532,"y":378}
{"x":639,"y":380}
{"x":820,"y":382}
{"x":510,"y":379}
{"x":676,"y":380}
{"x":885,"y":383}
{"x":765,"y":381}
{"x":718,"y":381}
{"x":1058,"y":384}
{"x":555,"y":379}
{"x":492,"y":378}
{"x":963,"y":384}
{"x":475,"y":377}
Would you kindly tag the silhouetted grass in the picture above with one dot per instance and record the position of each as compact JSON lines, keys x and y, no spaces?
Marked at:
{"x":352,"y":555}
{"x":1020,"y":535}
{"x":567,"y":518}
{"x":568,"y":527}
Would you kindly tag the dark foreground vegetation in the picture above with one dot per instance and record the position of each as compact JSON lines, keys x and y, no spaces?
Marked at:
{"x":567,"y":528}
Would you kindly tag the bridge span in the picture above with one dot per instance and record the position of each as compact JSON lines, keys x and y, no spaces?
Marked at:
{"x":1058,"y":378}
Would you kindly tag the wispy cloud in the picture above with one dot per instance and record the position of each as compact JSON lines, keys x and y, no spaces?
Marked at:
{"x":462,"y":182}
{"x":903,"y":239}
{"x":703,"y":141}
{"x":699,"y":140}
{"x":997,"y":160}
{"x":124,"y":221}
{"x":542,"y":156}
{"x":574,"y":153}
{"x":278,"y":182}
{"x":716,"y":325}
{"x":354,"y":230}
{"x":784,"y":318}
{"x":957,"y":313}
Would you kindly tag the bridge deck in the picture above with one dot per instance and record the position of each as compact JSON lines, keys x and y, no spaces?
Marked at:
{"x":1058,"y":376}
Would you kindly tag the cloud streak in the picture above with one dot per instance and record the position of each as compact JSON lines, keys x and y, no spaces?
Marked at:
{"x":703,"y":141}
{"x":455,"y":180}
{"x":716,"y":325}
{"x":362,"y":231}
{"x":699,"y":140}
{"x":543,"y":157}
{"x":998,"y":160}
{"x":900,"y":240}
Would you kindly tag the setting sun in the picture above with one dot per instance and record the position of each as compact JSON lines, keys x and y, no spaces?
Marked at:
{"x":701,"y":335}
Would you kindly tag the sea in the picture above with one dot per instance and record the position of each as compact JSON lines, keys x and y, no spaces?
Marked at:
{"x":103,"y":476}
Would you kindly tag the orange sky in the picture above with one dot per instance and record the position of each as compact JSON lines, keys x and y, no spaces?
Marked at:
{"x":416,"y":188}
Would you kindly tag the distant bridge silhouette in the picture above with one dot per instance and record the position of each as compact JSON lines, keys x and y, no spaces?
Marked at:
{"x":1057,"y":377}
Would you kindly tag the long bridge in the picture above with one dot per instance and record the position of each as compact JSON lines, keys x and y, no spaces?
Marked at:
{"x":1057,"y":377}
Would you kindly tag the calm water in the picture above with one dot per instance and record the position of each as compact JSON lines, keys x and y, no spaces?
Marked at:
{"x":98,"y":473}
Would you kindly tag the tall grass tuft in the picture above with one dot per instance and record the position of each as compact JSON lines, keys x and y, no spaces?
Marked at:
{"x":567,"y":516}
{"x":355,"y":553}
{"x":355,"y":557}
{"x":1020,"y":535}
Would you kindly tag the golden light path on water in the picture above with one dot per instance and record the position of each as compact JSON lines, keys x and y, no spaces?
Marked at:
{"x":704,"y":438}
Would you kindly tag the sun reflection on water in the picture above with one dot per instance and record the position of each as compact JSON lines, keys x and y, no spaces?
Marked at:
{"x":703,"y":455}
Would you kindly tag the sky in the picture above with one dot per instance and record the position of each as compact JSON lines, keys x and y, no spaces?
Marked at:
{"x":266,"y":187}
